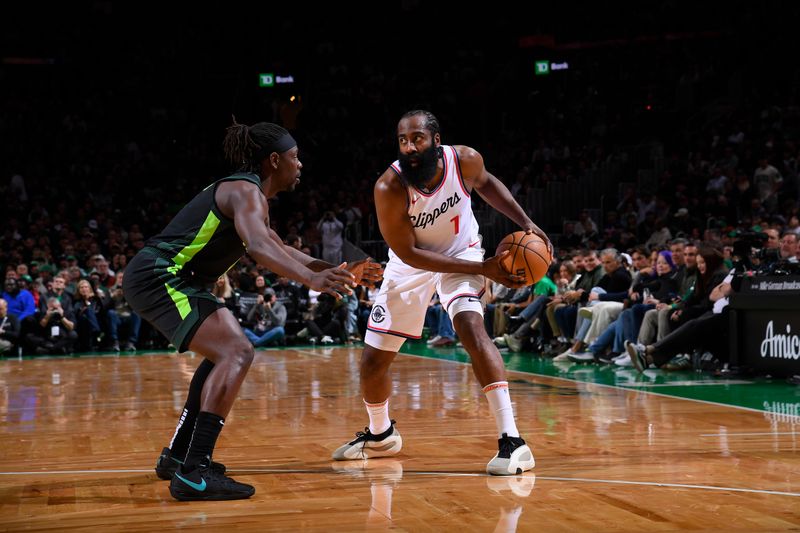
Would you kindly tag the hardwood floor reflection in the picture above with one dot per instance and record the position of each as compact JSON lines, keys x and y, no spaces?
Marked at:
{"x":80,"y":436}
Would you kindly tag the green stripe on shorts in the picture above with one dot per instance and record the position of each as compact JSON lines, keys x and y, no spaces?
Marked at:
{"x":181,"y":301}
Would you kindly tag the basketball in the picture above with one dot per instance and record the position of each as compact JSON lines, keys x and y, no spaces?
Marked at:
{"x":528,"y":255}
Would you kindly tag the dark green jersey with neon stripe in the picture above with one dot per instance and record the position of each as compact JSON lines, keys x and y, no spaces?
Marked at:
{"x":200,"y":239}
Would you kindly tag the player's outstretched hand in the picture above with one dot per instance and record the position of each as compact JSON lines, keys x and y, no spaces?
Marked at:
{"x":366,"y":272}
{"x":494,"y":270}
{"x":334,"y":281}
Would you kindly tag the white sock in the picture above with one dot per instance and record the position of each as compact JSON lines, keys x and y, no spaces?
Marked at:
{"x":500,"y":405}
{"x":378,"y":416}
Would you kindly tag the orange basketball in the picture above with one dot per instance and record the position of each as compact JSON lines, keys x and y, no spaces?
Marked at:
{"x":528,"y":255}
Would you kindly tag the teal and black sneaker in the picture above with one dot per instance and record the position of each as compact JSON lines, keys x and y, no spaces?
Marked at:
{"x":203,"y":483}
{"x":167,"y":465}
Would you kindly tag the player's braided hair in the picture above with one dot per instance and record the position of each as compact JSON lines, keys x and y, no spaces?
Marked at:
{"x":246,"y":146}
{"x":431,"y":122}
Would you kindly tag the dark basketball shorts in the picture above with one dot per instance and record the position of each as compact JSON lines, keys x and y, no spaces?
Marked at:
{"x":172,"y":304}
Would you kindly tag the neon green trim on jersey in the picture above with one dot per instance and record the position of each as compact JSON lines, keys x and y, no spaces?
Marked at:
{"x":200,"y":240}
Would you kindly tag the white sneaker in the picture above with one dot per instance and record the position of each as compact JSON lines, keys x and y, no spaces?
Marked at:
{"x":367,"y":445}
{"x":623,"y":360}
{"x":500,"y":341}
{"x":433,"y":339}
{"x":514,"y":344}
{"x":326,"y":340}
{"x":564,"y":356}
{"x":581,"y":357}
{"x":637,"y":354}
{"x":513,"y":458}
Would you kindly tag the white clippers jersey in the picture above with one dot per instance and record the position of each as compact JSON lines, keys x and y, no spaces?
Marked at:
{"x":443,"y":220}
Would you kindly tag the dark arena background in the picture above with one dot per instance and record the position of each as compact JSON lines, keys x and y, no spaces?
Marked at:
{"x":654,"y":372}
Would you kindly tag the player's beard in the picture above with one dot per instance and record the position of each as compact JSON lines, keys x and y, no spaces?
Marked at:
{"x":418,"y":176}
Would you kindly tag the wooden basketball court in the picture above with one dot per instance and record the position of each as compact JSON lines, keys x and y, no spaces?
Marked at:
{"x":80,"y":437}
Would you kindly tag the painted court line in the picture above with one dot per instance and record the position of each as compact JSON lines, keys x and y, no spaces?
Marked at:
{"x":441,"y":474}
{"x":749,"y":434}
{"x":617,"y":387}
{"x":671,"y":485}
{"x":691,"y":383}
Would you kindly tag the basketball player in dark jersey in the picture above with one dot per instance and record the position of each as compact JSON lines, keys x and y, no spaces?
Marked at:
{"x":166,"y":283}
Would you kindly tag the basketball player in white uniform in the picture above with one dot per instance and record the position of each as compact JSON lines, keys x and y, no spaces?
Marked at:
{"x":425,"y":215}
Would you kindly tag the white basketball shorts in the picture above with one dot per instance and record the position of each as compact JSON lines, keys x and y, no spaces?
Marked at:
{"x":401,"y":302}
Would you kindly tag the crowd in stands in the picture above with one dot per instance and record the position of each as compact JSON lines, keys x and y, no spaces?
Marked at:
{"x":94,"y":170}
{"x":45,"y":310}
{"x":669,"y":302}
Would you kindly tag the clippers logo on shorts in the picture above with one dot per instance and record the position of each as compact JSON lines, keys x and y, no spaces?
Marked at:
{"x":378,"y":314}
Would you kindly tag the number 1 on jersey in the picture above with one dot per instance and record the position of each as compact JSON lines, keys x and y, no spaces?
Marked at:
{"x":454,"y":220}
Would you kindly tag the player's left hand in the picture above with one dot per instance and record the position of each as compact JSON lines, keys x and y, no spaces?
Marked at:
{"x":538,"y":231}
{"x":366,"y":271}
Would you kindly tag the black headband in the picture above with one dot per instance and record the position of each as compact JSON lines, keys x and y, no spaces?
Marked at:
{"x":280,"y":145}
